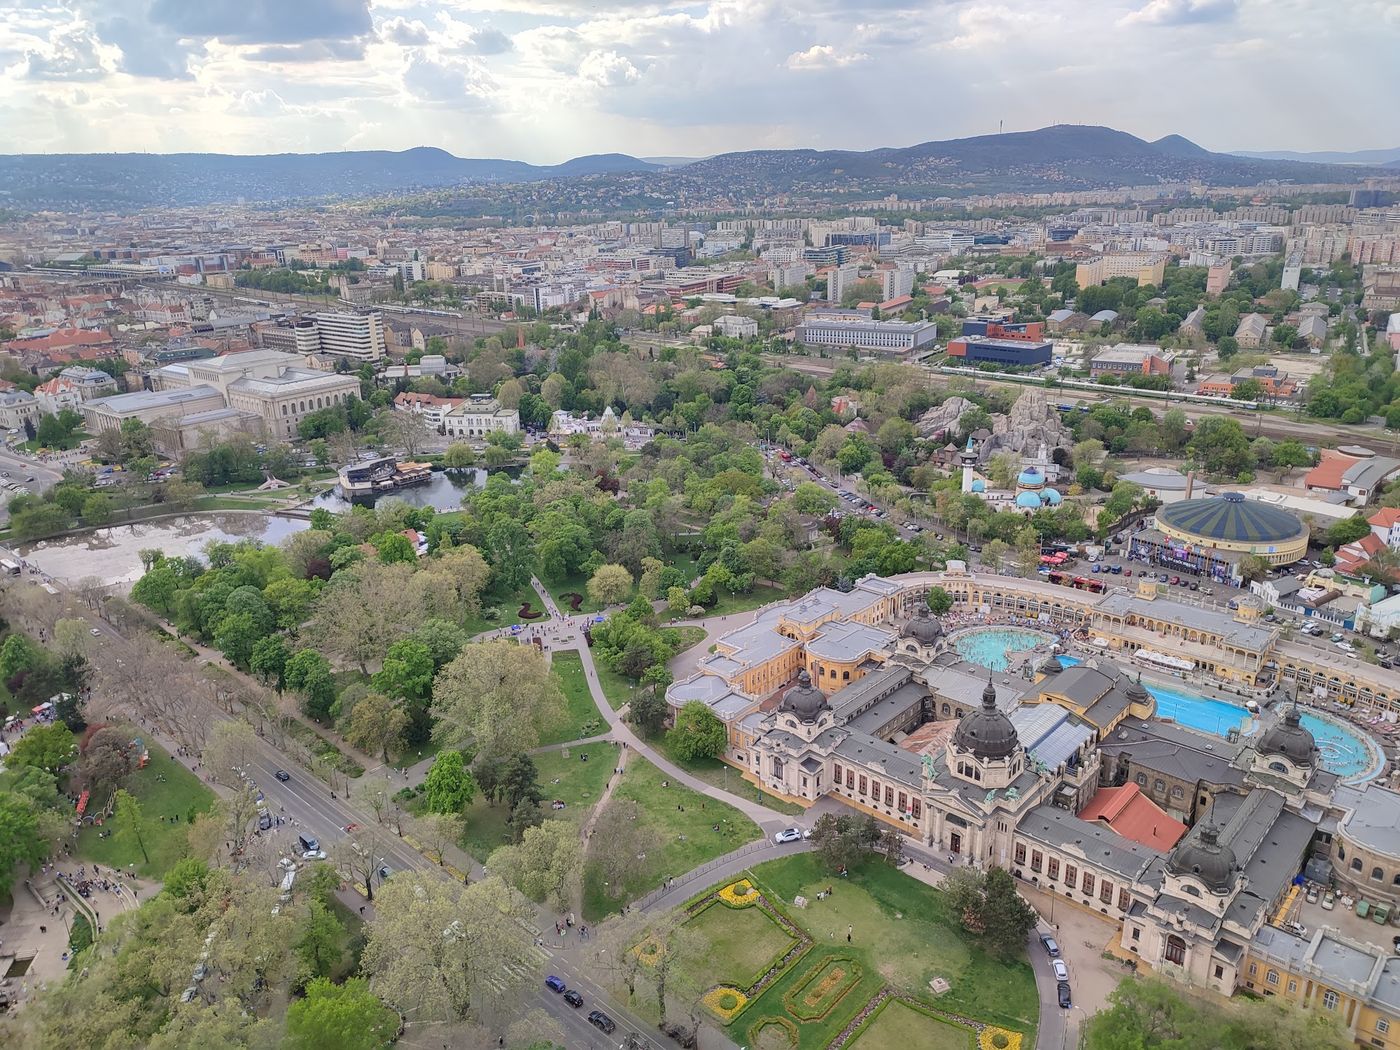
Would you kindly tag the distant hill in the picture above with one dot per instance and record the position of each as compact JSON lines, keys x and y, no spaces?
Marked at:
{"x":1360,"y":156}
{"x":117,"y":180}
{"x":1063,"y":156}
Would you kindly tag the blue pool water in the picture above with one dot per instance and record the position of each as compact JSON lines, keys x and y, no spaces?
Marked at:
{"x":1343,"y":751}
{"x":989,"y":647}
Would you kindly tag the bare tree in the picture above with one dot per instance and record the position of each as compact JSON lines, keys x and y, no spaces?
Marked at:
{"x":361,"y":855}
{"x":436,"y":832}
{"x":230,"y":750}
{"x":619,"y":840}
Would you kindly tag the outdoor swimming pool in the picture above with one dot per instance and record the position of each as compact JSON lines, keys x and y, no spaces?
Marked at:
{"x":1344,"y":752}
{"x":989,"y":647}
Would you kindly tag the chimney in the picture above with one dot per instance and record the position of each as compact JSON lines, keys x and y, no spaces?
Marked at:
{"x":1190,"y":482}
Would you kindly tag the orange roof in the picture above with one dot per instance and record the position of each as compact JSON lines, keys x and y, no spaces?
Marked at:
{"x":1130,"y":813}
{"x":1329,"y":470}
{"x":1354,"y":555}
{"x":1385,"y":518}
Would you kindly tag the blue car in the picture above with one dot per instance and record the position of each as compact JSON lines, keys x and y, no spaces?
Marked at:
{"x":554,"y":984}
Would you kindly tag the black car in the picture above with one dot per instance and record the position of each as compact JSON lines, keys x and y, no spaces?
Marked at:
{"x":573,"y":998}
{"x":282,"y":775}
{"x":605,"y":1024}
{"x":1062,"y":988}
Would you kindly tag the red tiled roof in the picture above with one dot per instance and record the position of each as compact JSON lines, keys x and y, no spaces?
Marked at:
{"x":1385,"y":518}
{"x":1329,"y":470}
{"x":63,"y":339}
{"x":1357,"y":553}
{"x":1130,"y":813}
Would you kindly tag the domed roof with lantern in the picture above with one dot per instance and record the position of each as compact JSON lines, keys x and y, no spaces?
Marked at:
{"x":1288,"y":738}
{"x":924,"y":628}
{"x":1203,"y":856}
{"x":804,"y":700}
{"x":986,"y":731}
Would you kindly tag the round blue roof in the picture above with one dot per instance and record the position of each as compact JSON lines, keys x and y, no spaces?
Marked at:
{"x":1028,"y":500}
{"x":1052,"y":497}
{"x":1031,"y":476}
{"x":978,"y":485}
{"x":1231,"y":517}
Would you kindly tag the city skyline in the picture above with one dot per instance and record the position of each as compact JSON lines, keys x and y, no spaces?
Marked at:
{"x":544,"y":81}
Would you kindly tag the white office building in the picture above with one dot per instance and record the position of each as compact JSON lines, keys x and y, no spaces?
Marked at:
{"x":735,"y":327}
{"x":359,"y":337}
{"x":889,"y":336}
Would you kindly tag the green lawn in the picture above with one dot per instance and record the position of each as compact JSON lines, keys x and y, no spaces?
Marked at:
{"x":723,"y":775}
{"x":908,"y":951}
{"x":564,"y":775}
{"x":616,"y":687}
{"x":577,"y":584}
{"x":685,"y":637}
{"x":684,"y":821}
{"x":686,"y":562}
{"x":728,"y":604}
{"x":740,"y":945}
{"x":506,"y":610}
{"x":180,"y":794}
{"x":898,"y":1026}
{"x":581,"y":717}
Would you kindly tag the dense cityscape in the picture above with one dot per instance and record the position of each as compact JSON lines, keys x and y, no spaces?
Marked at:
{"x":940,"y":595}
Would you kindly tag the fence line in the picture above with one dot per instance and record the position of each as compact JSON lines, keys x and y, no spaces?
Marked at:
{"x":695,"y":873}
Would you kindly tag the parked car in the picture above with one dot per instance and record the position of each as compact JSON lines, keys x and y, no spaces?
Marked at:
{"x":602,"y":1022}
{"x":573,"y":998}
{"x":1329,"y":900}
{"x":265,"y":822}
{"x":1061,"y":970}
{"x":555,"y":984}
{"x":787,"y":835}
{"x":1052,"y":949}
{"x":1066,"y":1000}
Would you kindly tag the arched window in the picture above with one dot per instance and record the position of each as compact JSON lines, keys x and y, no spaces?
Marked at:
{"x":1176,"y":950}
{"x":1142,"y":779}
{"x":1356,"y":864}
{"x":1377,"y":874}
{"x":1159,"y":785}
{"x":1176,"y":791}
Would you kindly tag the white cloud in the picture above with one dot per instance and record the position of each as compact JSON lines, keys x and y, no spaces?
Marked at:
{"x":823,"y":56}
{"x":546,"y":79}
{"x":1182,"y":12}
{"x":607,"y":69}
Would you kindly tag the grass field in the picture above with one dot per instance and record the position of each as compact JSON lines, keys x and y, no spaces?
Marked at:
{"x":906,"y":952}
{"x":507,"y":608}
{"x":581,"y":716}
{"x":740,"y":944}
{"x":564,"y":775}
{"x":179,"y":794}
{"x":898,"y":1026}
{"x":728,"y":604}
{"x":577,"y":584}
{"x":684,"y":821}
{"x":617,"y":688}
{"x":722,"y":775}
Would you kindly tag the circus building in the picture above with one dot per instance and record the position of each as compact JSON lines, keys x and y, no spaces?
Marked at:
{"x":1211,"y":535}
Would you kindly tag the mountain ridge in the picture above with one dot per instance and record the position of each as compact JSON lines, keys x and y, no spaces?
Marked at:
{"x":1060,"y":157}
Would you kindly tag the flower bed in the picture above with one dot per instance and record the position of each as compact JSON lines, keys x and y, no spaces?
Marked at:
{"x":725,"y":1003}
{"x":826,"y":984}
{"x":740,"y":894}
{"x":993,"y":1038}
{"x":758,"y":1031}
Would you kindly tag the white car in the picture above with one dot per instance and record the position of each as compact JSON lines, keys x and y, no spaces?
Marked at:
{"x":314,"y":854}
{"x":787,"y":835}
{"x":1061,"y":970}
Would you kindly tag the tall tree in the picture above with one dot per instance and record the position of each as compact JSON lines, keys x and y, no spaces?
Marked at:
{"x":340,"y":1017}
{"x":494,"y":697}
{"x":442,"y":952}
{"x":546,"y":866}
{"x":131,"y":822}
{"x":449,"y":787}
{"x":698,"y":733}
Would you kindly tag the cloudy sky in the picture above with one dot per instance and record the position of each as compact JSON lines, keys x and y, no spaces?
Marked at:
{"x":544,"y":80}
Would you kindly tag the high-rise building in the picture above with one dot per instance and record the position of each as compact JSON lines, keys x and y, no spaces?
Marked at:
{"x":839,"y":279}
{"x":359,"y":337}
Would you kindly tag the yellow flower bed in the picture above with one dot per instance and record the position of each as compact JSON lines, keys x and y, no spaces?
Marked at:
{"x":725,"y":1003}
{"x":988,"y":1039}
{"x":739,"y":894}
{"x":647,"y":951}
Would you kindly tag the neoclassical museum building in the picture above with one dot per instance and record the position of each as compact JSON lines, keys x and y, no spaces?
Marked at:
{"x":1062,"y":773}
